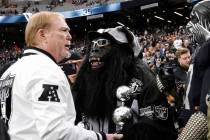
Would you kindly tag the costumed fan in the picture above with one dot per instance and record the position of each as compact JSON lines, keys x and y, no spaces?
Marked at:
{"x":113,"y":60}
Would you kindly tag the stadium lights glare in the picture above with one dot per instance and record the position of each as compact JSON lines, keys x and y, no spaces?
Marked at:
{"x":178,"y":14}
{"x":159,"y":18}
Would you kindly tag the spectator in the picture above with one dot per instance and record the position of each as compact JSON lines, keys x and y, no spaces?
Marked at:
{"x":184,"y":58}
{"x":188,"y":45}
{"x":180,"y":72}
{"x":177,"y":43}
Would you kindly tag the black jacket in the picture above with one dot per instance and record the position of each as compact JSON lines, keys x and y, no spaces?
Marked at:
{"x":200,"y":83}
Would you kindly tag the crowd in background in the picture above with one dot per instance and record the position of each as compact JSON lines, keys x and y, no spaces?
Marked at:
{"x":11,"y":53}
{"x":15,"y":8}
{"x":159,"y":46}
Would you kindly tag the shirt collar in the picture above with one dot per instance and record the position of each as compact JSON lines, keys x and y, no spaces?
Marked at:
{"x":34,"y":49}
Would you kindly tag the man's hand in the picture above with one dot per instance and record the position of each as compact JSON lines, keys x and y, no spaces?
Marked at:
{"x":114,"y":136}
{"x":77,"y":63}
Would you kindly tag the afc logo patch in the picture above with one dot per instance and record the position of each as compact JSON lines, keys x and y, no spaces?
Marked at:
{"x":49,"y":94}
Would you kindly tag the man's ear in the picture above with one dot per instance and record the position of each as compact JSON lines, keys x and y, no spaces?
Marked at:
{"x":41,"y":33}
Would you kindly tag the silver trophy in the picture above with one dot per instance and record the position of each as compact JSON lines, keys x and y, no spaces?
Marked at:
{"x":122,"y":114}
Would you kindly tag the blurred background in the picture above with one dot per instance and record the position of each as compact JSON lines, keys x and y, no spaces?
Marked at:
{"x":153,"y":21}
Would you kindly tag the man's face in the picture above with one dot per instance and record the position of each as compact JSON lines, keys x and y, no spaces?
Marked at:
{"x":185,"y":60}
{"x":99,"y":48}
{"x":59,"y":39}
{"x":170,"y":55}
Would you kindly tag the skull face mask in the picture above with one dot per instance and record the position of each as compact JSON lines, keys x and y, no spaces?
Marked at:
{"x":199,"y":24}
{"x":99,"y":47}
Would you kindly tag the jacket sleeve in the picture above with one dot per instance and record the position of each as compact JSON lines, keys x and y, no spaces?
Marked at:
{"x":54,"y":111}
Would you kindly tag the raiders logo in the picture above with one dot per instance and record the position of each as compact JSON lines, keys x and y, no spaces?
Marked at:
{"x":5,"y":97}
{"x":161,"y":112}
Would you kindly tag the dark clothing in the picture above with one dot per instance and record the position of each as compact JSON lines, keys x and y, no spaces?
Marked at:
{"x":3,"y":128}
{"x":151,"y":96}
{"x":180,"y":80}
{"x":3,"y":131}
{"x":201,"y":78}
{"x":149,"y":131}
{"x":180,"y":74}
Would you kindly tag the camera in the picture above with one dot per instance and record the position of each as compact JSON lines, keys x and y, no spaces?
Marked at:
{"x":69,"y":68}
